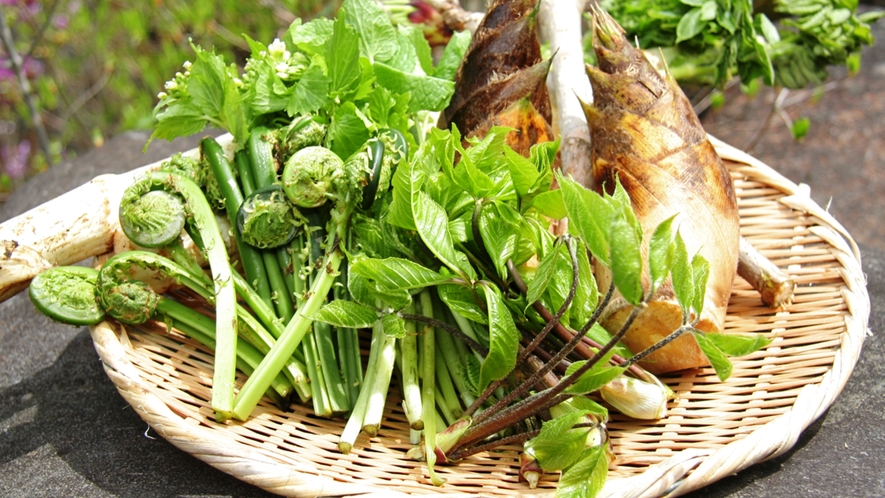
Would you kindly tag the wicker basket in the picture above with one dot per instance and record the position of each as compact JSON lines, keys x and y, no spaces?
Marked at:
{"x":713,"y":429}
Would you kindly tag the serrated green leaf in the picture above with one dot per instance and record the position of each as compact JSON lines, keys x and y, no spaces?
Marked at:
{"x":366,"y":293}
{"x":543,"y":276}
{"x":523,"y":171}
{"x":718,"y":359}
{"x":377,"y":36}
{"x":700,"y":271}
{"x":660,"y":254}
{"x":393,"y":325}
{"x":342,"y":59}
{"x":550,"y":204}
{"x":586,"y":477}
{"x":427,"y":93}
{"x":589,"y":217}
{"x":503,"y":340}
{"x":587,"y":293}
{"x":178,"y":119}
{"x":500,"y":235}
{"x":598,"y":376}
{"x":626,"y":259}
{"x":393,"y":274}
{"x":347,"y":132}
{"x":310,"y":37}
{"x":738,"y":345}
{"x":683,"y":277}
{"x":310,"y":93}
{"x":460,"y":300}
{"x":558,"y":445}
{"x":347,"y":314}
{"x":432,"y":226}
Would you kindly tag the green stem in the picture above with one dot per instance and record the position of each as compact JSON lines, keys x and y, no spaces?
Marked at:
{"x":428,"y":389}
{"x":382,"y":370}
{"x":409,"y":368}
{"x":321,"y":406}
{"x":291,"y":337}
{"x":447,"y":398}
{"x":202,"y":218}
{"x":187,"y":319}
{"x":355,"y":421}
{"x":252,"y":262}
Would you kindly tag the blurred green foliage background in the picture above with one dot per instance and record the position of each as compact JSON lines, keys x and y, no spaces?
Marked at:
{"x":95,"y":66}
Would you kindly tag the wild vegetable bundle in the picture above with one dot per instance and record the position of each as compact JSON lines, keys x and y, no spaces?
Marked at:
{"x":348,"y":211}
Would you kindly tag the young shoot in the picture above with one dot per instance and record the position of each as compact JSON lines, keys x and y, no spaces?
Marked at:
{"x":310,"y":179}
{"x":201,"y":220}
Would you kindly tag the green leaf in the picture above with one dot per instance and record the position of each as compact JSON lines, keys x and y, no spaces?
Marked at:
{"x":397,"y":273}
{"x":347,"y":314}
{"x":543,"y":275}
{"x":769,"y":30}
{"x":598,"y":376}
{"x":432,"y":226}
{"x":503,"y":340}
{"x":311,"y":37}
{"x":550,"y":204}
{"x":558,"y":446}
{"x":586,"y":477}
{"x":499,"y":227}
{"x":660,"y":254}
{"x":422,"y":48}
{"x":717,"y":358}
{"x":310,"y":93}
{"x":800,"y":128}
{"x":683,"y":277}
{"x":626,"y":261}
{"x":689,"y":25}
{"x":452,"y":55}
{"x":523,"y":171}
{"x":589,"y":217}
{"x":428,"y":93}
{"x":366,"y":293}
{"x":460,"y":300}
{"x":393,"y":325}
{"x":347,"y":132}
{"x":587,"y":293}
{"x":377,"y":36}
{"x":342,"y":58}
{"x":738,"y":345}
{"x":700,"y":270}
{"x":178,"y":119}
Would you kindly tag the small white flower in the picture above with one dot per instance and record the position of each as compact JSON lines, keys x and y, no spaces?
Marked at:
{"x":281,"y":67}
{"x":277,"y":47}
{"x":187,"y":65}
{"x":171,"y":85}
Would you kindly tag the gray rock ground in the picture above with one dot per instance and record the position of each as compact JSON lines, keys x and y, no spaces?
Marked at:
{"x":64,"y":430}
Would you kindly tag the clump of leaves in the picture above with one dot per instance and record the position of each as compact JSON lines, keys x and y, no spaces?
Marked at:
{"x":785,"y":43}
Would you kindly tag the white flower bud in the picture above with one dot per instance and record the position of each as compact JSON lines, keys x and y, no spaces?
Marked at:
{"x":171,"y":85}
{"x":187,"y":65}
{"x":277,"y":47}
{"x":636,"y":398}
{"x":162,"y":95}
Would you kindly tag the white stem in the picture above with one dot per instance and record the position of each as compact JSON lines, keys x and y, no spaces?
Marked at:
{"x":560,"y":25}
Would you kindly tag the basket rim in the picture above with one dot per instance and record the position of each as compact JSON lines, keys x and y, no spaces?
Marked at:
{"x":684,"y":471}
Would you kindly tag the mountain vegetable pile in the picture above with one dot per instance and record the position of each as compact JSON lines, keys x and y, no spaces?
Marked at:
{"x":352,"y":215}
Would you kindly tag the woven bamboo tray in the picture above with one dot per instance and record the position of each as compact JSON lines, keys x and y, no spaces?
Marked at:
{"x":713,"y":429}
